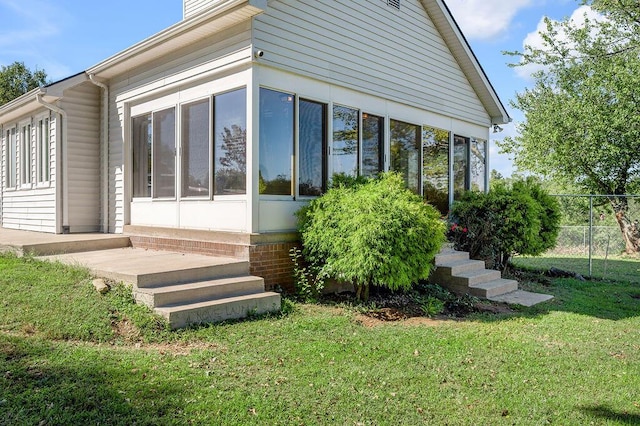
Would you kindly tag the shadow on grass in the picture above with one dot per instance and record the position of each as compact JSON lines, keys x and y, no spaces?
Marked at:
{"x":83,"y":388}
{"x":606,"y":413}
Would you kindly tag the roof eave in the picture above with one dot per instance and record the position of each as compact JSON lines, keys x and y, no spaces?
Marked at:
{"x":461,"y":50}
{"x":214,"y":19}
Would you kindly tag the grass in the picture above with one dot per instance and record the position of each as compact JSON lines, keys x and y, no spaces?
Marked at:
{"x":71,"y":356}
{"x":618,"y":267}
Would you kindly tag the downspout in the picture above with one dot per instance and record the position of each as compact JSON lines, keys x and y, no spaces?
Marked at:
{"x":61,"y":164}
{"x":104,"y":146}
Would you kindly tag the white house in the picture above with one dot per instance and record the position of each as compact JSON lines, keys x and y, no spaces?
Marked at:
{"x":209,"y":135}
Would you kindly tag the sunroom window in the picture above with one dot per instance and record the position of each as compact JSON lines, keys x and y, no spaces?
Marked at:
{"x":372,"y":145}
{"x":435,"y":167}
{"x":230,"y":126}
{"x":276,"y":142}
{"x":195,"y":149}
{"x":312,"y":147}
{"x":346,"y":134}
{"x":405,"y":152}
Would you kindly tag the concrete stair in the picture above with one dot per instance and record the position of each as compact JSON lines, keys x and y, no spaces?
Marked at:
{"x":183,"y":288}
{"x":461,"y":275}
{"x":227,"y":292}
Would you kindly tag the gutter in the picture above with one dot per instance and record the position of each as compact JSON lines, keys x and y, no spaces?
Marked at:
{"x":104,"y":152}
{"x":61,"y":188}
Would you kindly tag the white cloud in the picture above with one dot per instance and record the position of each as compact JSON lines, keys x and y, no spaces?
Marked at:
{"x":534,"y":40}
{"x":485,"y":19}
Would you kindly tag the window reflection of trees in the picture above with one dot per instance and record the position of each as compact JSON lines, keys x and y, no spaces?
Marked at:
{"x":405,"y":152}
{"x":478,"y":164}
{"x":372,"y":140}
{"x":435,"y":167}
{"x":345,"y":140}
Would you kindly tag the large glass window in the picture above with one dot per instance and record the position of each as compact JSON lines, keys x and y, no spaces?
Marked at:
{"x":344,"y":151}
{"x":12,"y":158}
{"x":435,"y":167}
{"x":25,"y":155}
{"x":405,"y":152}
{"x":276,"y":142}
{"x":231,"y":143}
{"x":164,"y":153}
{"x":312,"y":147}
{"x":142,"y":137}
{"x":372,"y":145}
{"x":478,"y":166}
{"x":43,"y":151}
{"x":460,"y":166}
{"x":195,"y":149}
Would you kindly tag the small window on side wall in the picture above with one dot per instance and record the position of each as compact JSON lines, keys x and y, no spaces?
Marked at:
{"x":346,"y":135}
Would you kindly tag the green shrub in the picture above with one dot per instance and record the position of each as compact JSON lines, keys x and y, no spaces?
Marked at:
{"x":371,"y":232}
{"x":517,"y":219}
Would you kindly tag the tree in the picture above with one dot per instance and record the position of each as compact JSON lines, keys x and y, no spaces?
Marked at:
{"x":16,"y":80}
{"x":582,"y":121}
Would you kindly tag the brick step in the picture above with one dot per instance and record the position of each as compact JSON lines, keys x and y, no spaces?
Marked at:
{"x":220,"y":309}
{"x":199,"y":291}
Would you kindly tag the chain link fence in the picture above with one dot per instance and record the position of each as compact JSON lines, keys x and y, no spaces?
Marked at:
{"x":590,"y":241}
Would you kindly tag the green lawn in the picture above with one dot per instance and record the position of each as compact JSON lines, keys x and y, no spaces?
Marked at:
{"x":617,"y":267}
{"x":71,"y":356}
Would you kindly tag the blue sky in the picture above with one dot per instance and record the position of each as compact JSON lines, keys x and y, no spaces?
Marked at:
{"x":65,"y":37}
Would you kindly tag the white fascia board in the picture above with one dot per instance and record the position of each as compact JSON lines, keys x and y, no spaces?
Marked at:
{"x":27,"y":103}
{"x":459,"y":46}
{"x":220,"y":16}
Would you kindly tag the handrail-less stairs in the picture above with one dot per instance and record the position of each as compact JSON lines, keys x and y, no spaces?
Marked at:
{"x":461,"y":275}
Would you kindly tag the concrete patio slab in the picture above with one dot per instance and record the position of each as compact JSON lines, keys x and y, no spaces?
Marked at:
{"x":140,"y":266}
{"x":41,"y":243}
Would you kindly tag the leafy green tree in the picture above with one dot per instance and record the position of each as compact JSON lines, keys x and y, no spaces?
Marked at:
{"x":582,"y":125}
{"x":16,"y":80}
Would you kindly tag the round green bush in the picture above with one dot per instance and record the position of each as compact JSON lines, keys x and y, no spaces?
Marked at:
{"x":371,"y":232}
{"x":517,"y":219}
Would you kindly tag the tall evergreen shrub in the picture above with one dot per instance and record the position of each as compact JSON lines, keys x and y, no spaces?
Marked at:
{"x":371,"y":232}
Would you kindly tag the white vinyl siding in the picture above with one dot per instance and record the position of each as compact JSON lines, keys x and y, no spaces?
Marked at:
{"x":82,"y":158}
{"x":370,"y":47}
{"x":31,"y":207}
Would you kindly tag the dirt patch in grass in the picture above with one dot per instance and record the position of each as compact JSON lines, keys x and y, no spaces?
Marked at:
{"x":406,"y":309}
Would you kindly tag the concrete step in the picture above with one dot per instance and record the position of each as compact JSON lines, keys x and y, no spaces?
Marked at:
{"x":521,"y":297}
{"x":493,"y":288}
{"x":447,"y":255}
{"x":457,"y":267}
{"x":475,"y":277}
{"x":152,"y":268}
{"x":199,"y":291}
{"x":220,"y":309}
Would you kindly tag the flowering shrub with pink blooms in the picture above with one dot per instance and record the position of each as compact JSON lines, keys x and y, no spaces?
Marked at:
{"x":517,"y":219}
